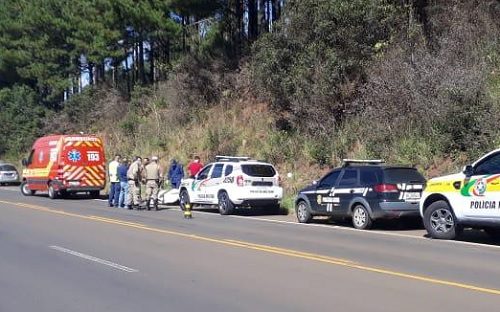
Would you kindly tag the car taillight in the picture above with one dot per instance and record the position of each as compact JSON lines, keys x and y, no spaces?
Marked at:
{"x":240,"y":181}
{"x":386,"y":188}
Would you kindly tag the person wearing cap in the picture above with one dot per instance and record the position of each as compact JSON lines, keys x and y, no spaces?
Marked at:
{"x":134,"y":183}
{"x":122,"y":176}
{"x":152,"y":174}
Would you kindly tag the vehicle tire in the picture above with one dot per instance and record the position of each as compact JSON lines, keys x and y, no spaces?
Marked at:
{"x":493,"y":232}
{"x":302,"y":212}
{"x":25,"y":189}
{"x":226,"y":207}
{"x":184,"y":199}
{"x":440,"y":221}
{"x":361,"y":219}
{"x":95,"y":194}
{"x":52,"y":192}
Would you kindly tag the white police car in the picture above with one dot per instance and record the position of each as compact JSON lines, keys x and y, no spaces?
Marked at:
{"x":470,"y":198}
{"x":233,"y":182}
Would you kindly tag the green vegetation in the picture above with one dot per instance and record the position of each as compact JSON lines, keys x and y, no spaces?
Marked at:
{"x":300,"y":83}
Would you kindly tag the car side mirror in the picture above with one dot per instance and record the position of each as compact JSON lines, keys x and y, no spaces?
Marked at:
{"x":24,"y":162}
{"x":314,"y":182}
{"x":468,"y":171}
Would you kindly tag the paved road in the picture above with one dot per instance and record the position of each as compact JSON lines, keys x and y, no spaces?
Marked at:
{"x":78,"y":255}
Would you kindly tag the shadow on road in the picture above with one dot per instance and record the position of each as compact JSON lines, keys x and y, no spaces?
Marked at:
{"x":246,"y":212}
{"x":477,"y":236}
{"x":417,"y":228}
{"x":77,"y":196}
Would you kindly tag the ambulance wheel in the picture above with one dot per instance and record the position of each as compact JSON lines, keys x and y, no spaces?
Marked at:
{"x":25,"y":190}
{"x":440,"y":221}
{"x":52,"y":192}
{"x":184,"y":199}
{"x":226,"y":207}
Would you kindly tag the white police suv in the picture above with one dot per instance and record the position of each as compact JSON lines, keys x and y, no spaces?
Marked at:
{"x":470,"y":198}
{"x":232,"y":182}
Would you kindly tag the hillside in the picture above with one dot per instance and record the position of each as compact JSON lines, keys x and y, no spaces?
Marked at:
{"x":412,"y":82}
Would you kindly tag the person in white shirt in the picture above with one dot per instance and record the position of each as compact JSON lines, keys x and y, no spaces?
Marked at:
{"x":114,"y":182}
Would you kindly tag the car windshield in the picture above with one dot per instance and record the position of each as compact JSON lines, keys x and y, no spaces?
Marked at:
{"x":7,"y":168}
{"x":258,"y":170}
{"x":402,"y":175}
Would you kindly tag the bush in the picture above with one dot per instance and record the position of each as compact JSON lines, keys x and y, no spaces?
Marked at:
{"x":311,"y":65}
{"x":280,"y":147}
{"x":221,"y":141}
{"x":20,"y":119}
{"x":423,"y":99}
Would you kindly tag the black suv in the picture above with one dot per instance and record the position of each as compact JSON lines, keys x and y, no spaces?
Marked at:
{"x":364,"y":190}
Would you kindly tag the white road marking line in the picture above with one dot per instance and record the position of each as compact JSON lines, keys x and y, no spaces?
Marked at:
{"x":94,"y":259}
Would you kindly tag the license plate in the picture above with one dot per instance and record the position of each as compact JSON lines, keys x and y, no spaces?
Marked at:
{"x":413,"y":196}
{"x":74,"y":183}
{"x":261,"y":191}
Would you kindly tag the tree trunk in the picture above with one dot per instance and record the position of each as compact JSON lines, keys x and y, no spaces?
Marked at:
{"x":184,"y":34}
{"x":151,"y":62}
{"x":276,"y":7}
{"x":239,"y":22}
{"x":103,"y":73}
{"x":142,"y":71}
{"x":264,"y":24}
{"x":90,"y":67}
{"x":253,"y":20}
{"x":136,"y":61}
{"x":127,"y":74}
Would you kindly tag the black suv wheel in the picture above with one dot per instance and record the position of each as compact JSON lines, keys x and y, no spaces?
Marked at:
{"x":361,"y":218}
{"x":302,"y":212}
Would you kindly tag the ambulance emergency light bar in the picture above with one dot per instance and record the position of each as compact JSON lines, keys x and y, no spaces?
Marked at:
{"x":348,"y":162}
{"x":231,"y":158}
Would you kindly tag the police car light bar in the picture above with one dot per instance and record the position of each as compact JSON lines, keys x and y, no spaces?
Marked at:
{"x":231,"y":158}
{"x":347,"y":162}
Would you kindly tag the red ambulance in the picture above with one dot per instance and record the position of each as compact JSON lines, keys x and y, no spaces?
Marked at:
{"x":65,"y":164}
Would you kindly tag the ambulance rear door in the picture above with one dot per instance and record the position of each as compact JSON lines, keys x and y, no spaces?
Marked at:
{"x":83,"y":162}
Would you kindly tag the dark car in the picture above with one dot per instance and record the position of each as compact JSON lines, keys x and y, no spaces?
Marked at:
{"x":8,"y":174}
{"x":364,"y":190}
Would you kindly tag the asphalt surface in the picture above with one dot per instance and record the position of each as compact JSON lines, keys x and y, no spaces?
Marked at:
{"x":80,"y":255}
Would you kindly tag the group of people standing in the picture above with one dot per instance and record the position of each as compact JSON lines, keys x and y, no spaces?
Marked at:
{"x":127,"y":179}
